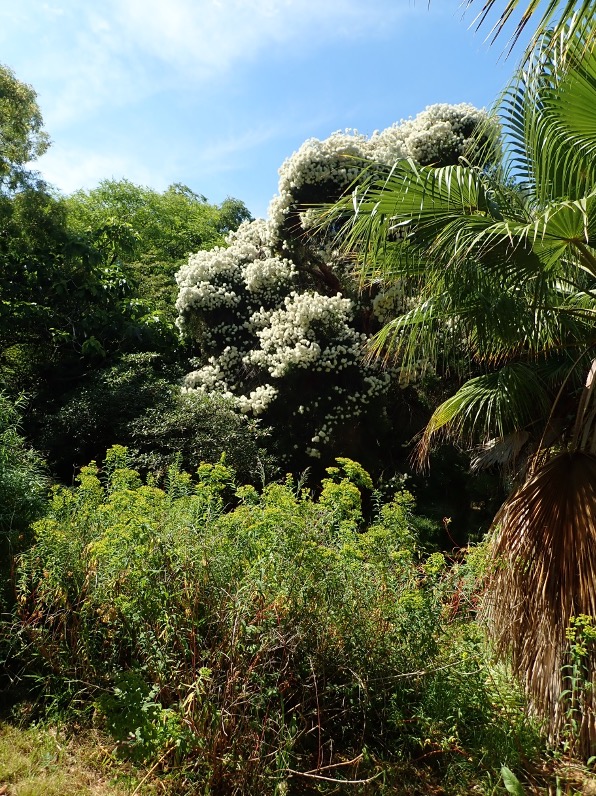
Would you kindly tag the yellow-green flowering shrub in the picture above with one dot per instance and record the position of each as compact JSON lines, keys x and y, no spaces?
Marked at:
{"x":247,"y":635}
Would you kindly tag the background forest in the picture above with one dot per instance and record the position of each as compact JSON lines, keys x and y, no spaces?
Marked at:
{"x":250,"y":468}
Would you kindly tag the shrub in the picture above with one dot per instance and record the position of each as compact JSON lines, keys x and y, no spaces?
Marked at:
{"x":189,"y":428}
{"x":23,"y":499}
{"x":250,"y":643}
{"x":23,"y":483}
{"x":137,"y":402}
{"x":82,"y":423}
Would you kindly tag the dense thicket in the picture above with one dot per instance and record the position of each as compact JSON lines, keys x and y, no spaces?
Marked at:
{"x":263,"y":647}
{"x":87,"y":294}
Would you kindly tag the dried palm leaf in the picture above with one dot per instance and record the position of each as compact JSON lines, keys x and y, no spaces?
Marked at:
{"x":501,"y":451}
{"x":544,"y":558}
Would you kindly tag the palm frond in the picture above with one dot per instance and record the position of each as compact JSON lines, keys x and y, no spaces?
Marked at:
{"x":492,"y":405}
{"x":498,"y":264}
{"x":547,"y":117}
{"x":584,"y":432}
{"x":485,"y":313}
{"x":500,"y":451}
{"x":561,"y":14}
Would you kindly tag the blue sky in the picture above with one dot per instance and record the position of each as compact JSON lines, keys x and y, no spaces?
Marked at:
{"x":217,"y":93}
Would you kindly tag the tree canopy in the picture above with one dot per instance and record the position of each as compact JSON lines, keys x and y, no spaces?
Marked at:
{"x":167,"y":225}
{"x":22,"y":137}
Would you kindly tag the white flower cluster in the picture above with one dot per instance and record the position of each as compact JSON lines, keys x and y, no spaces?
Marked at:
{"x":256,"y":234}
{"x":426,"y":138}
{"x":221,"y":373}
{"x":208,"y":281}
{"x":318,"y":162}
{"x":253,"y":325}
{"x":258,"y":401}
{"x":207,"y":296}
{"x":438,"y":130}
{"x":222,"y":267}
{"x":308,"y":218}
{"x":235,"y":281}
{"x":259,"y":319}
{"x":311,"y":331}
{"x":266,"y":275}
{"x":214,"y":376}
{"x":413,"y":373}
{"x":390,"y":303}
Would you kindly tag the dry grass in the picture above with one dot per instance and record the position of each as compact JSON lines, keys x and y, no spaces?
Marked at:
{"x":47,"y":762}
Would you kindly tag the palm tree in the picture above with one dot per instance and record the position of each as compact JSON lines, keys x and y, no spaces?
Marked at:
{"x":499,"y":264}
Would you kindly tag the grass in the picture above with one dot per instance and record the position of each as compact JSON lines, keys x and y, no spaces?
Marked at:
{"x":51,"y":761}
{"x":40,"y":761}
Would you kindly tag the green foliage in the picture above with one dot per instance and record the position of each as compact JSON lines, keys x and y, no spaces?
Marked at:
{"x":167,"y":226}
{"x":163,"y":228}
{"x":137,"y":402}
{"x":140,"y":724}
{"x":100,"y":408}
{"x":578,"y":697}
{"x":65,"y":304}
{"x":350,"y":471}
{"x":341,"y":492}
{"x":22,"y":138}
{"x":87,"y":283}
{"x":84,"y":282}
{"x":189,"y":428}
{"x":23,"y":483}
{"x":255,"y":642}
{"x":511,"y":782}
{"x":23,"y":499}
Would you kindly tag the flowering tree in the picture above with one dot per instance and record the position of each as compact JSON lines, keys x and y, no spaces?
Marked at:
{"x":276,"y":315}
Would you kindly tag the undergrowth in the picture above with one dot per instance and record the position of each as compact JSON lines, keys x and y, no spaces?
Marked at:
{"x":263,"y":643}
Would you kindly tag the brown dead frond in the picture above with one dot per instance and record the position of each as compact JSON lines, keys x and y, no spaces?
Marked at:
{"x":544,"y":556}
{"x":502,"y":451}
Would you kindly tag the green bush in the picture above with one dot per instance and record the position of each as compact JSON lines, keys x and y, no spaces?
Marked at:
{"x":190,"y":428}
{"x":255,"y":642}
{"x":23,"y":483}
{"x":137,"y":402}
{"x":23,"y":499}
{"x":83,"y":422}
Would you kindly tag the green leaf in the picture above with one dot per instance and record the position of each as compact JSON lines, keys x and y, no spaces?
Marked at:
{"x":511,"y":782}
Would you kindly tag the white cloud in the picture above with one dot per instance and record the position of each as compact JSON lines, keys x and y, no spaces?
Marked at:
{"x":94,"y":65}
{"x":211,"y":35}
{"x":83,"y":57}
{"x":52,"y":10}
{"x":223,"y":153}
{"x":69,"y":169}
